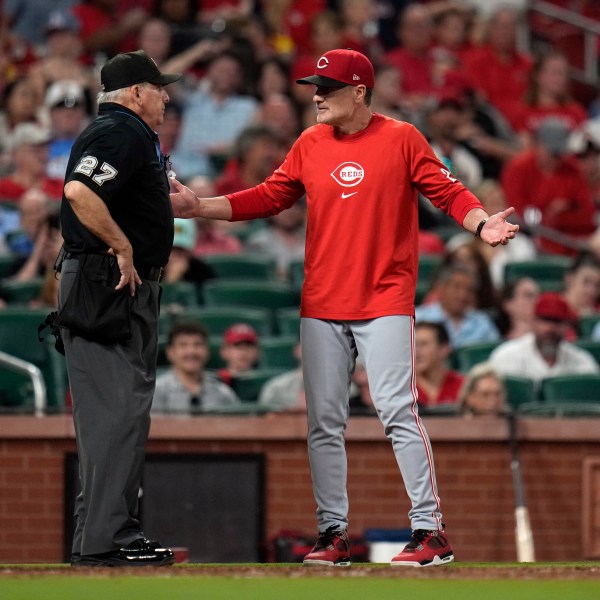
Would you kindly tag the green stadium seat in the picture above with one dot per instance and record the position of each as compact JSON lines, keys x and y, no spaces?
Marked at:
{"x":519,"y":390}
{"x":16,"y":392}
{"x":465,"y":357}
{"x":591,"y":346}
{"x":586,"y":325}
{"x":559,"y":409}
{"x":20,"y":292}
{"x":265,"y":294}
{"x":288,"y":321}
{"x":215,"y":361}
{"x":297,"y":273}
{"x":244,"y":266}
{"x":247,"y":386}
{"x":278,"y":352}
{"x":19,"y":337}
{"x":218,"y":318}
{"x":547,"y":271}
{"x":571,"y":388}
{"x":421,"y":291}
{"x":428,"y":266}
{"x":6,"y":265}
{"x":181,"y":293}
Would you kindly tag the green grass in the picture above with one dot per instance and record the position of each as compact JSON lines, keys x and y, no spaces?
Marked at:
{"x":29,"y":582}
{"x":224,"y":588}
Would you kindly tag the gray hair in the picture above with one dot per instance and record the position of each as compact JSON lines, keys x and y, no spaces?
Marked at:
{"x":112,"y":96}
{"x":115,"y":95}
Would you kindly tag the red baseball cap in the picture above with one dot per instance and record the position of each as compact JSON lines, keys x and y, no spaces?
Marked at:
{"x":553,"y":307}
{"x":239,"y":333}
{"x":338,"y":68}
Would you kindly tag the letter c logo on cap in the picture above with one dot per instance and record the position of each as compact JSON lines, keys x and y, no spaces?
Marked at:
{"x":323,"y":62}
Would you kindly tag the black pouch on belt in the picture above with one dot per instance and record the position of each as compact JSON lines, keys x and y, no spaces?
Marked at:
{"x":94,"y":309}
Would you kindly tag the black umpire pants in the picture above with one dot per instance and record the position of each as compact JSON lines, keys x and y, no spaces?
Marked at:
{"x":112,"y":386}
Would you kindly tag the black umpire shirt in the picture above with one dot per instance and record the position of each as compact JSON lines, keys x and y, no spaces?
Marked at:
{"x":118,"y":157}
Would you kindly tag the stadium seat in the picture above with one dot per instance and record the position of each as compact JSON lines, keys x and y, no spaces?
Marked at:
{"x":247,"y":386}
{"x":181,"y":293}
{"x":215,"y":361}
{"x":297,"y":273}
{"x":519,"y":390}
{"x":591,"y":346}
{"x":218,"y":318}
{"x":428,"y":265}
{"x":586,"y":325}
{"x":19,"y":337}
{"x":20,"y":292}
{"x":548,"y":271}
{"x":244,"y":266}
{"x":465,"y":357}
{"x":278,"y":352}
{"x":6,"y":264}
{"x":288,"y":321}
{"x":266,"y":294}
{"x":559,"y":409}
{"x":16,"y":392}
{"x":571,"y":388}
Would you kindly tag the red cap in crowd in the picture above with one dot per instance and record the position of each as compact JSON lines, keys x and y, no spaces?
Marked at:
{"x":552,"y":306}
{"x":239,"y":333}
{"x":338,"y":68}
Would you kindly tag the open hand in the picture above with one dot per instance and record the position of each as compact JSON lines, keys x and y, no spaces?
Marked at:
{"x":498,"y":230}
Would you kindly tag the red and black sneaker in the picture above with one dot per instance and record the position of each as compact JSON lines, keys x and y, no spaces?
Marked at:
{"x":332,"y":549}
{"x":425,"y":549}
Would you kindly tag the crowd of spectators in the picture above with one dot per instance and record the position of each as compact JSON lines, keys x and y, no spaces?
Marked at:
{"x":505,"y":121}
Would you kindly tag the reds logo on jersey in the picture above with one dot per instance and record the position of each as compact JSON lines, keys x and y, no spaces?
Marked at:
{"x":348,"y":174}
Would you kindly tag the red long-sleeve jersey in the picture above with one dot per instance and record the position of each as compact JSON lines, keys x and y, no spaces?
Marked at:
{"x":362,"y":226}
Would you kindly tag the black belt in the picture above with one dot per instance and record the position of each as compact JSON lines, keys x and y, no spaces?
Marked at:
{"x":150,"y":273}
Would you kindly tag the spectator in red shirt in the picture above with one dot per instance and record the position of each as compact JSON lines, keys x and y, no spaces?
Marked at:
{"x":584,"y":142}
{"x":326,"y":33}
{"x":452,"y":25}
{"x":548,"y":95}
{"x":360,"y":29}
{"x":545,"y":181}
{"x":436,"y":383}
{"x":497,"y":70}
{"x":103,"y":29}
{"x":413,"y":58}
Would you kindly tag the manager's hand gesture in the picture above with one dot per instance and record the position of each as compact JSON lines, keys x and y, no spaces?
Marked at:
{"x":186,"y":205}
{"x":184,"y":201}
{"x":497,"y":230}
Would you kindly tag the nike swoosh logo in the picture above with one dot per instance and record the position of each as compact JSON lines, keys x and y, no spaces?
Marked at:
{"x":348,"y":195}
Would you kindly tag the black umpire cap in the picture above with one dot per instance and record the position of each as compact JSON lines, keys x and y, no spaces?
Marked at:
{"x":129,"y":68}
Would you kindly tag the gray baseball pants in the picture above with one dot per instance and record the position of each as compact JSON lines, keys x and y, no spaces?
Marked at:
{"x":112,"y":387}
{"x":386,"y":344}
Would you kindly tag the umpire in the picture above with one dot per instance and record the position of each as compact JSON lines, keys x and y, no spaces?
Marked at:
{"x":117,"y":224}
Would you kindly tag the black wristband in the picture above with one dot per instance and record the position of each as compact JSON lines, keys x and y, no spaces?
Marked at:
{"x":479,"y":228}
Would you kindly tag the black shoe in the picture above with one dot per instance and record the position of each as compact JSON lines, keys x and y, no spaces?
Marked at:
{"x":140,"y":553}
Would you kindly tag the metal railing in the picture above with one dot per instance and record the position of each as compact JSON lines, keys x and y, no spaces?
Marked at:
{"x":591,"y":34}
{"x":37,"y":380}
